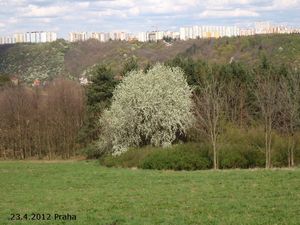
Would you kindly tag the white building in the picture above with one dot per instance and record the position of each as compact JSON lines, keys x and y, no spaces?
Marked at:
{"x":153,"y":35}
{"x":51,"y":36}
{"x":183,"y":33}
{"x":195,"y":32}
{"x":77,"y":36}
{"x":29,"y":37}
{"x":40,"y":37}
{"x":172,"y":34}
{"x":143,"y":37}
{"x":263,"y":27}
{"x":159,"y":35}
{"x":19,"y":37}
{"x":104,"y":37}
{"x":247,"y":31}
{"x":7,"y":40}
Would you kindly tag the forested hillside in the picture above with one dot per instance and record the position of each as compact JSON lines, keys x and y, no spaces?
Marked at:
{"x":33,"y":61}
{"x":46,"y":61}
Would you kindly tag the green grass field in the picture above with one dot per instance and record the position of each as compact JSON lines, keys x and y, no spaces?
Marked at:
{"x":98,"y":195}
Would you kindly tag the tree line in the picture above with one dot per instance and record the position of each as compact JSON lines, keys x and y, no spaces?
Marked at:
{"x":39,"y":122}
{"x":266,"y":96}
{"x":63,"y":117}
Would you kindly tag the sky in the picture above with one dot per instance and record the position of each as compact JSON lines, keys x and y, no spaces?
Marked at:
{"x":132,"y":16}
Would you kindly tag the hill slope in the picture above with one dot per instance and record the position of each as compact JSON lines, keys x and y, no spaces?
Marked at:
{"x":45,"y":61}
{"x":31,"y":61}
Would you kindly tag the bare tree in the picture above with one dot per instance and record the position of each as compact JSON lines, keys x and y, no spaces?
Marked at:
{"x":39,"y":122}
{"x":265,"y":88}
{"x":65,"y":98}
{"x":289,"y":105}
{"x":15,"y":109}
{"x":208,"y":110}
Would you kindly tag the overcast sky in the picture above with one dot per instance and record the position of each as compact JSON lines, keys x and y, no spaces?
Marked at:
{"x":64,"y":16}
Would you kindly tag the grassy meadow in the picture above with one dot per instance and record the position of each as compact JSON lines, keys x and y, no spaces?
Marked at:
{"x":110,"y":196}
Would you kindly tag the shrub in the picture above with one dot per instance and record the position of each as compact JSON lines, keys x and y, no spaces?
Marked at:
{"x":152,"y":108}
{"x":172,"y":159}
{"x":280,"y":151}
{"x":231,"y":157}
{"x":131,"y":158}
{"x":297,"y":149}
{"x":240,"y":156}
{"x":178,"y":157}
{"x":92,"y":151}
{"x":255,"y":157}
{"x":242,"y":148}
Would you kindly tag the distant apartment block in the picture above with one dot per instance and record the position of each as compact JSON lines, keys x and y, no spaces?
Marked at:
{"x":195,"y":32}
{"x":29,"y":37}
{"x":103,"y":37}
{"x":40,"y":37}
{"x":264,"y":27}
{"x":77,"y":36}
{"x":142,"y":37}
{"x":247,"y":31}
{"x":7,"y":40}
{"x":156,"y":35}
{"x":268,"y":28}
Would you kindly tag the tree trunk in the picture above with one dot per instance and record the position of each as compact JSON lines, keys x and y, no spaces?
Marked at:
{"x":266,"y":149}
{"x":270,"y":148}
{"x":291,"y":151}
{"x":215,"y":155}
{"x":292,"y":157}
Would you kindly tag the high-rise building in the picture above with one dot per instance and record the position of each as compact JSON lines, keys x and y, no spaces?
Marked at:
{"x":159,"y":35}
{"x":77,"y":36}
{"x":195,"y":32}
{"x":19,"y":37}
{"x":39,"y":37}
{"x":184,"y":33}
{"x":247,"y":31}
{"x":104,"y":37}
{"x":7,"y":40}
{"x":143,"y":37}
{"x":263,"y":27}
{"x":154,"y":35}
{"x":29,"y":37}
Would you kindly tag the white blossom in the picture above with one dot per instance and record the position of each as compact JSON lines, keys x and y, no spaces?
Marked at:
{"x":149,"y":108}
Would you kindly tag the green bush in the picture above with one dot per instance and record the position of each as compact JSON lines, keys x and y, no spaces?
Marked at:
{"x":92,"y":151}
{"x":231,"y":157}
{"x":239,"y":148}
{"x":255,"y":157}
{"x":297,"y":149}
{"x":131,"y":158}
{"x":242,"y":148}
{"x":280,"y":151}
{"x":240,"y":156}
{"x":171,"y":159}
{"x":178,"y":157}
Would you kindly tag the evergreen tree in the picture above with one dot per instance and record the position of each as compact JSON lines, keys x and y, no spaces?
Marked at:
{"x":98,"y":96}
{"x":130,"y":65}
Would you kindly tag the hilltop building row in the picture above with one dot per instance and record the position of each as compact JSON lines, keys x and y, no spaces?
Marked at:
{"x":195,"y":32}
{"x":29,"y":37}
{"x":184,"y":33}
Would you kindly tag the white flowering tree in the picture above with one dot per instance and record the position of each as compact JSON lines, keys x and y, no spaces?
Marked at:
{"x":149,"y":108}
